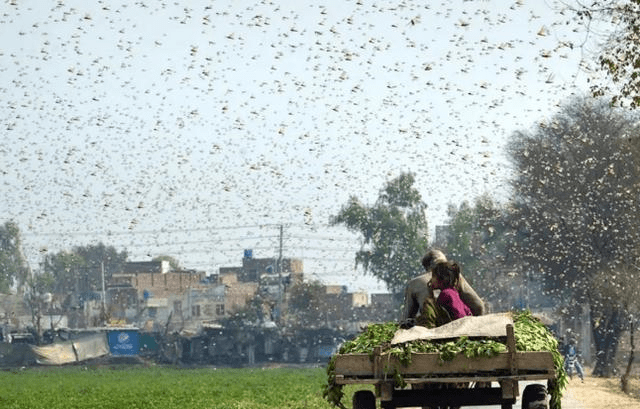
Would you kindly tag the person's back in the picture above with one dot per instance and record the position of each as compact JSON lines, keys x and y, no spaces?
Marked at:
{"x":571,"y":360}
{"x":416,"y":293}
{"x":418,"y":289}
{"x":419,"y":293}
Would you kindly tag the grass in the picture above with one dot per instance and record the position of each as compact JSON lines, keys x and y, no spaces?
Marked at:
{"x":158,"y":387}
{"x":163,"y":387}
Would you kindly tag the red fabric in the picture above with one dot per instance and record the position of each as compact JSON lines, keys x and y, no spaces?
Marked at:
{"x":450,"y":299}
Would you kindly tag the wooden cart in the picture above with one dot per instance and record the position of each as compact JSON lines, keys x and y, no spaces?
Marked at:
{"x":434,"y":383}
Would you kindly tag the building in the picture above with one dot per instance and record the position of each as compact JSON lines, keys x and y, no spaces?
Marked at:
{"x":288,"y":270}
{"x":273,"y":278}
{"x":151,"y":291}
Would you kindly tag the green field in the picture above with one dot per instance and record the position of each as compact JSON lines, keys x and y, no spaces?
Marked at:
{"x":163,"y":387}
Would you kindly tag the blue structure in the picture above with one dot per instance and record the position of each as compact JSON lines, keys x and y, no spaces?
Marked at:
{"x":124,"y":342}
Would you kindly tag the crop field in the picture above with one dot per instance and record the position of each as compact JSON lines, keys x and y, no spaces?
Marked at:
{"x":162,"y":387}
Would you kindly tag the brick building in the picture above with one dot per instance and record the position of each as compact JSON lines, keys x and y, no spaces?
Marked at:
{"x":153,"y":293}
{"x":255,"y":269}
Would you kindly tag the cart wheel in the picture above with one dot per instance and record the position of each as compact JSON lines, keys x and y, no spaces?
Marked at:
{"x":535,"y":397}
{"x":364,"y":400}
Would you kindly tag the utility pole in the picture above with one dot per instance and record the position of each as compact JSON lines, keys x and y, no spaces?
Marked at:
{"x":280,"y":255}
{"x":280,"y":289}
{"x":104,"y":301}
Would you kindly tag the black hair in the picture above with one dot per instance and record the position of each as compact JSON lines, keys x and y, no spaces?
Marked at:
{"x":431,"y":258}
{"x":448,"y":273}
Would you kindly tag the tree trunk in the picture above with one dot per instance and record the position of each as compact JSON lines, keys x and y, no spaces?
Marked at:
{"x":627,"y":374}
{"x":38,"y":325}
{"x":606,"y":334}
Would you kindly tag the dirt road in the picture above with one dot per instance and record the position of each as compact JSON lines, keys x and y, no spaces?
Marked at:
{"x":599,"y":393}
{"x":593,"y":393}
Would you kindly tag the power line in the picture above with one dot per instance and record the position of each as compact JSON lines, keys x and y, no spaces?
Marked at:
{"x":190,"y":230}
{"x":204,"y":241}
{"x":340,"y":260}
{"x":295,"y":236}
{"x":212,"y":241}
{"x":160,"y":231}
{"x":209,"y":246}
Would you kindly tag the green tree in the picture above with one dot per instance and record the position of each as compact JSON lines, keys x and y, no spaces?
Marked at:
{"x":81,"y":269}
{"x":305,"y":304}
{"x":477,"y":239}
{"x":65,"y":267}
{"x":173,"y":262}
{"x":577,"y":213}
{"x":620,"y":55}
{"x":38,"y":299}
{"x":13,"y":265}
{"x":394,"y":232}
{"x":247,"y":315}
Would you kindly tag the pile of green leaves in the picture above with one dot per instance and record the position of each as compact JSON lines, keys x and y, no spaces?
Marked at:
{"x":530,"y":334}
{"x":375,"y":335}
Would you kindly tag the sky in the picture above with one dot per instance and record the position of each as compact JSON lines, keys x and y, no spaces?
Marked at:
{"x":197,"y":129}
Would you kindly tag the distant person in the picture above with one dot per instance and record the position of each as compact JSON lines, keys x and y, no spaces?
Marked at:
{"x":419,"y":298}
{"x":572,"y":361}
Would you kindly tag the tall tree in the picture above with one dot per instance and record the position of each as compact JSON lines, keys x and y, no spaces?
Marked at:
{"x":620,"y":55}
{"x":305,"y":304}
{"x":577,"y":212}
{"x":38,"y":299}
{"x":394,"y":232}
{"x":81,"y":269}
{"x":477,"y":239}
{"x":13,"y":265}
{"x":64,"y":266}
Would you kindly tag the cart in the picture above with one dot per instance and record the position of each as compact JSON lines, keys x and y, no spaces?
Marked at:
{"x":430,"y":382}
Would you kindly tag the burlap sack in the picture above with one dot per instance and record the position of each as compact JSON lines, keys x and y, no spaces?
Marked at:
{"x":490,"y":325}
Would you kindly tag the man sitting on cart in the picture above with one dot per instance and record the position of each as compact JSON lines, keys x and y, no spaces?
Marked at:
{"x":420,"y":307}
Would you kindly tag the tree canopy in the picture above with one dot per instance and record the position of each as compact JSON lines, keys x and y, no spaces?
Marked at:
{"x":394,"y":231}
{"x":305,"y":303}
{"x":173,"y":262}
{"x":576,"y":208}
{"x":13,"y":265}
{"x":477,"y":239}
{"x":620,"y":55}
{"x":81,"y":268}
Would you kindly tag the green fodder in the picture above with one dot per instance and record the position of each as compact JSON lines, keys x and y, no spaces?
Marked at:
{"x":530,"y":334}
{"x":162,"y":388}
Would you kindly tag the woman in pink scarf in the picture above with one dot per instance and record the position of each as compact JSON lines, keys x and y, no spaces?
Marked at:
{"x":420,"y":306}
{"x":445,"y":277}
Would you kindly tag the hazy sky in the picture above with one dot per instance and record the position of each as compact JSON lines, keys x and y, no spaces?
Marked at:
{"x":195,"y":129}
